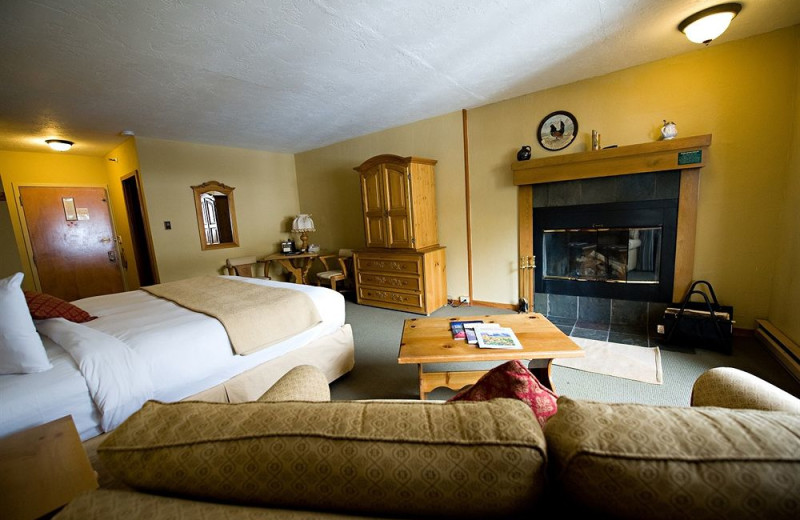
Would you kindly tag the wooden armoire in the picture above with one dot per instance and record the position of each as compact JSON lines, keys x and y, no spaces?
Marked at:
{"x":403,"y":265}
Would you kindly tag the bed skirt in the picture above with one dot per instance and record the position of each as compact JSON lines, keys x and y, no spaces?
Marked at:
{"x":333,"y":354}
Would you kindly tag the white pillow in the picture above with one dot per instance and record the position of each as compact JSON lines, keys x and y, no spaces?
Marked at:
{"x":21,"y":348}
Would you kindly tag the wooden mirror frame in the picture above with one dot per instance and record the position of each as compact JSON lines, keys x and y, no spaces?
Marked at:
{"x":231,"y":233}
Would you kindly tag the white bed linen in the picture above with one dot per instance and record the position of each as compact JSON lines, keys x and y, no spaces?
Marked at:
{"x":184,"y":351}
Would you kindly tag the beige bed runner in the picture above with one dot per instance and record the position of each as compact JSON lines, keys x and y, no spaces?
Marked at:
{"x":254,"y":316}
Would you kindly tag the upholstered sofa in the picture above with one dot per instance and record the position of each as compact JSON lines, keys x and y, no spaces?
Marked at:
{"x":735,"y":453}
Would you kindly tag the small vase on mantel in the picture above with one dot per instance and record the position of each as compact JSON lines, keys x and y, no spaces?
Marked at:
{"x":524,"y":153}
{"x":669,"y":130}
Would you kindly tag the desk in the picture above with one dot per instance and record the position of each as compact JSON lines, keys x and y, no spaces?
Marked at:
{"x":298,"y":264}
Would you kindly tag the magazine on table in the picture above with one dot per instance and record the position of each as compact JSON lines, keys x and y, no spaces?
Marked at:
{"x":497,"y":337}
{"x":457,"y":328}
{"x":469,"y":330}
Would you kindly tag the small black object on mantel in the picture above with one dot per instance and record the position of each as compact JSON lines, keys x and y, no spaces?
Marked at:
{"x":524,"y":153}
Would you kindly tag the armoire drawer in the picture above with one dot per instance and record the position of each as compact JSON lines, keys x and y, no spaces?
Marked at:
{"x":406,"y":264}
{"x":410,"y":300}
{"x":389,"y":281}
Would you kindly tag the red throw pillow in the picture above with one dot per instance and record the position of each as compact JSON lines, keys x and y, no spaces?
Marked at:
{"x":513,"y":380}
{"x":43,"y":306}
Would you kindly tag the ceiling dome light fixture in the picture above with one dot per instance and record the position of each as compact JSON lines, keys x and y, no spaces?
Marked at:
{"x":704,"y":26}
{"x":59,"y":145}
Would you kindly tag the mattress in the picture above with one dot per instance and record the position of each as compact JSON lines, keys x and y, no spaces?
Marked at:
{"x":184,"y":352}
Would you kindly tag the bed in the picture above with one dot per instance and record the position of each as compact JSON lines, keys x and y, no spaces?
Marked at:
{"x":142,"y":347}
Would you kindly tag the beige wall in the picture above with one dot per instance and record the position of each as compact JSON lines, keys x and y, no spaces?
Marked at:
{"x":265,"y":199}
{"x":329,"y":188}
{"x":9,"y":257}
{"x":728,"y":90}
{"x":785,"y":300}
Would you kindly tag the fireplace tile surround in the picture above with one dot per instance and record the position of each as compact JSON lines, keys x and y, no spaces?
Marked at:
{"x":648,"y":171}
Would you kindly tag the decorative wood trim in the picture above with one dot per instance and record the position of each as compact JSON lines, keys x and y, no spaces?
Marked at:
{"x":686,"y":233}
{"x":637,"y":158}
{"x":525,"y":208}
{"x":468,"y":201}
{"x":495,"y":305}
{"x":379,"y":159}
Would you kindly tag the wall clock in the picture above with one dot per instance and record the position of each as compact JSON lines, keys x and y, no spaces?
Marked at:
{"x":557,"y":130}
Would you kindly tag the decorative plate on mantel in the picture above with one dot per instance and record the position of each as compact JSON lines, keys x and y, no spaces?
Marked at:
{"x":557,"y":130}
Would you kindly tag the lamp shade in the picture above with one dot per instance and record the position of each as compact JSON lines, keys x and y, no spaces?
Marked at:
{"x":303,"y":223}
{"x":708,"y":24}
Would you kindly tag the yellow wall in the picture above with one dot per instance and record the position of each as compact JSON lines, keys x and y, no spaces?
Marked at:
{"x":9,"y":257}
{"x":265,"y":198}
{"x":121,"y":162}
{"x":329,"y":188}
{"x":728,"y":90}
{"x":46,"y":168}
{"x":785,"y":301}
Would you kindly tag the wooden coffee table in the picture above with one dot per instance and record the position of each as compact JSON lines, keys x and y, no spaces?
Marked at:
{"x":429,"y":340}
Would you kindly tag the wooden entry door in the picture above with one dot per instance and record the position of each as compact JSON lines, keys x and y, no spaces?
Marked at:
{"x":72,"y":238}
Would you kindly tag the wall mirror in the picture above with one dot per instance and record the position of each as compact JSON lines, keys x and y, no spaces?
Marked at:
{"x":216,"y":216}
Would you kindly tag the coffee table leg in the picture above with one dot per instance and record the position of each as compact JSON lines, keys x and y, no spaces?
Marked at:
{"x":421,"y":383}
{"x":541,"y":368}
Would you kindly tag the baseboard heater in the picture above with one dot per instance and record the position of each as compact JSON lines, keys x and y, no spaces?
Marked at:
{"x":784,"y":349}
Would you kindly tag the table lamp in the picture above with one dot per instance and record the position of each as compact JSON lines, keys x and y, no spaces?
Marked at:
{"x":303,"y":224}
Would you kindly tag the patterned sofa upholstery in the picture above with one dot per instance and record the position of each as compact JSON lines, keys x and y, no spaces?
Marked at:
{"x":468,"y":460}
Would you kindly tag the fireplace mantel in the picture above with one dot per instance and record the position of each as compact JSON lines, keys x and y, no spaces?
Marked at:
{"x":636,"y":158}
{"x":687,"y":154}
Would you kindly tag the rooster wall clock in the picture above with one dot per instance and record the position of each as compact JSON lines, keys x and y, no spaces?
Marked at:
{"x":557,"y":130}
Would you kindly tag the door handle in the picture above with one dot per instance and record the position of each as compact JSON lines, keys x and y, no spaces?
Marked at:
{"x":112,"y":256}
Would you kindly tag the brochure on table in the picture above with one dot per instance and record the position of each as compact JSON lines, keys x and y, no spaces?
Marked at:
{"x":457,"y":328}
{"x":496,"y":337}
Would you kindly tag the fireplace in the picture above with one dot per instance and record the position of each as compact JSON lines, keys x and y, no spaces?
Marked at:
{"x":608,"y":235}
{"x":623,"y":250}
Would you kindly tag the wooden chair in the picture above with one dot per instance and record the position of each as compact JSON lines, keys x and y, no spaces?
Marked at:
{"x":342,"y":271}
{"x":246,"y":266}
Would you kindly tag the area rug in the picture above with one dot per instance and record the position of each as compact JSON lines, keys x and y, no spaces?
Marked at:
{"x":618,"y":360}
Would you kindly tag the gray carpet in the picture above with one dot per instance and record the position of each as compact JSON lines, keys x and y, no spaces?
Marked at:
{"x":377,"y":375}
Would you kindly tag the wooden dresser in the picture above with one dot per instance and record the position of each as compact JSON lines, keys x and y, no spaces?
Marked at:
{"x":403,"y":265}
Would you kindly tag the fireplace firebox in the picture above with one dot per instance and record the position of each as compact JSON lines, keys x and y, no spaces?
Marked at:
{"x":621,"y":250}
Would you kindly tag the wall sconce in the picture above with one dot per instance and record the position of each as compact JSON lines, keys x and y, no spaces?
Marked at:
{"x":59,"y":145}
{"x":303,"y":224}
{"x":704,"y":26}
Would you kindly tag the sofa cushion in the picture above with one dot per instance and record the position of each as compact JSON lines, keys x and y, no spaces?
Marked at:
{"x":514,"y":381}
{"x":395,"y":458}
{"x":638,"y":461}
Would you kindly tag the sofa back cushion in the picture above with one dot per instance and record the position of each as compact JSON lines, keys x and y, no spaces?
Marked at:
{"x":638,"y":461}
{"x":470,"y":459}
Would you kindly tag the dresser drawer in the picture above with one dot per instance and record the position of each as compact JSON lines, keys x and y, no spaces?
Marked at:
{"x":389,"y":281}
{"x":390,"y":298}
{"x":405,"y":264}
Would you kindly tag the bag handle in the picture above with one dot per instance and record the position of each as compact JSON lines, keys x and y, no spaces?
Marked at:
{"x":692,"y":291}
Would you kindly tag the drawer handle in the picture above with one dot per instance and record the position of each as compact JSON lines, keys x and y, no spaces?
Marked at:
{"x":389,"y":296}
{"x":390,"y":281}
{"x":393,"y":266}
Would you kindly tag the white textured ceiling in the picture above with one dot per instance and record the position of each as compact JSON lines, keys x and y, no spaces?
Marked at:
{"x":290,"y":76}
